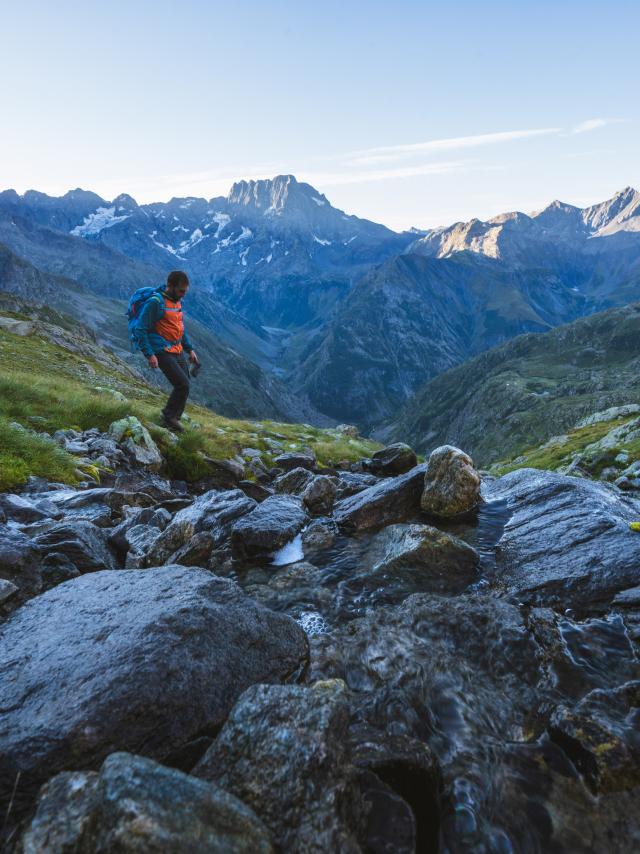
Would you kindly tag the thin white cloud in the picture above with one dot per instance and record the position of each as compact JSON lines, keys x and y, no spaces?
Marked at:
{"x":354,"y":177}
{"x":396,"y":152}
{"x":593,"y":124}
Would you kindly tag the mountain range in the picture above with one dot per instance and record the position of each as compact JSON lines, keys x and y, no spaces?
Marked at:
{"x":340,"y":318}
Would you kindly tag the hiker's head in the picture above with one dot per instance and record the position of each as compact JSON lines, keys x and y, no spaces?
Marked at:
{"x":177,"y":284}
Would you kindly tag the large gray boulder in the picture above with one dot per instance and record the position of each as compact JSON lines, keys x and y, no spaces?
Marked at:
{"x":268,"y":527}
{"x":451,"y":483}
{"x":212,"y":513}
{"x":129,"y":660}
{"x":568,"y":541}
{"x":284,"y":752}
{"x":136,"y":805}
{"x":391,"y":500}
{"x":439,"y":562}
{"x":394,"y":459}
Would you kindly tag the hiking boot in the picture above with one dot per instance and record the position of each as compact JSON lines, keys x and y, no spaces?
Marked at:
{"x":172,"y":424}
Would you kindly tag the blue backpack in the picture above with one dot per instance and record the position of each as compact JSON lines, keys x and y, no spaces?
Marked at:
{"x":136,"y":302}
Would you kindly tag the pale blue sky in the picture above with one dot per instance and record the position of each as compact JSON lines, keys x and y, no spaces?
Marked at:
{"x":408,"y":113}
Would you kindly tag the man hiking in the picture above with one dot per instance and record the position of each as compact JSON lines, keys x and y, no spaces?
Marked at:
{"x":162,"y":338}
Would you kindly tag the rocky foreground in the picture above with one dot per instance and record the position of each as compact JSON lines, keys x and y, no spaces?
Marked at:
{"x":385,"y":657}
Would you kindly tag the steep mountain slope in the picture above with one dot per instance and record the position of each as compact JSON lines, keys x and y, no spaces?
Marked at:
{"x":521,"y":393}
{"x":413,"y":318}
{"x":228,"y":382}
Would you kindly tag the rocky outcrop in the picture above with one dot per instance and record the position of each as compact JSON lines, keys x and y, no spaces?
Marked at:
{"x":130,"y":660}
{"x":439,"y":562}
{"x":137,"y":442}
{"x":212,"y":514}
{"x":568,"y":541}
{"x":391,"y":500}
{"x":284,"y":752}
{"x":268,"y":527}
{"x":451,"y":483}
{"x":135,"y":804}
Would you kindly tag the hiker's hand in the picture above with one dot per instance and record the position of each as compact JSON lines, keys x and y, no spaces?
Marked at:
{"x":153,"y":361}
{"x":193,"y":358}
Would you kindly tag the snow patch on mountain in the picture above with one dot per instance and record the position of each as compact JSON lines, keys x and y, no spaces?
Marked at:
{"x":195,"y":237}
{"x":96,"y":222}
{"x":319,"y":202}
{"x":321,"y":241}
{"x":166,"y":246}
{"x":220,"y":219}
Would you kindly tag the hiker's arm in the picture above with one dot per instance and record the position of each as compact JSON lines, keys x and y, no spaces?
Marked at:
{"x":149,"y":316}
{"x":187,"y":345}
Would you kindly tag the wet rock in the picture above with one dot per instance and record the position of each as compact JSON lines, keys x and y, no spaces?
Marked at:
{"x":568,"y":541}
{"x":74,"y":446}
{"x":130,"y":484}
{"x":140,"y":539}
{"x":213,"y":513}
{"x":441,"y":562}
{"x":91,"y":505}
{"x":267,"y":527}
{"x":137,"y":442}
{"x":602,"y":737}
{"x":198,"y":551}
{"x":319,"y":495}
{"x":57,"y":568}
{"x":223,"y":474}
{"x":475,"y":677}
{"x":350,"y":483}
{"x":135,"y":804}
{"x":21,"y":509}
{"x":390,"y":500}
{"x":283,"y":751}
{"x":129,"y":660}
{"x":319,"y":535}
{"x":390,"y":823}
{"x":297,"y":459}
{"x":394,"y":459}
{"x":294,"y":481}
{"x":629,"y":598}
{"x":7,"y":590}
{"x":255,"y":490}
{"x":83,"y":543}
{"x":19,"y":561}
{"x":451,"y":483}
{"x":157,"y":518}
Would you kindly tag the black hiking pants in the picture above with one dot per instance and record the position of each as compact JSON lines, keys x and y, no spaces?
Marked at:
{"x":176,"y":369}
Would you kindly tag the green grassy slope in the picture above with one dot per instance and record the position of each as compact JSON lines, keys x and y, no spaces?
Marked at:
{"x":516,"y":396}
{"x":55,"y":378}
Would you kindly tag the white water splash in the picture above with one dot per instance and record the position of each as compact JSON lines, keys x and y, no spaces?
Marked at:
{"x":291,"y":552}
{"x":312,"y":622}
